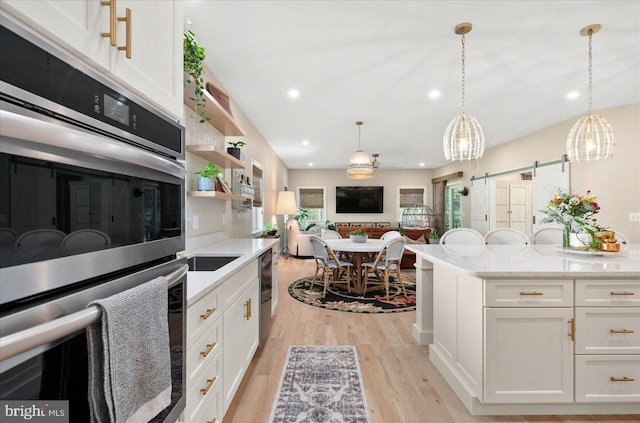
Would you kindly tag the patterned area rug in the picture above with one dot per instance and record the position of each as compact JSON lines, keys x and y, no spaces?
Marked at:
{"x":374,"y":301}
{"x":321,"y":384}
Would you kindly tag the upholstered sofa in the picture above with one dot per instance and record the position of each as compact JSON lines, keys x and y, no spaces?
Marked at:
{"x":298,"y":241}
{"x":412,"y":234}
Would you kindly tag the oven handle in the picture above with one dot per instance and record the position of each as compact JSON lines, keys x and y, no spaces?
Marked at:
{"x":25,"y":340}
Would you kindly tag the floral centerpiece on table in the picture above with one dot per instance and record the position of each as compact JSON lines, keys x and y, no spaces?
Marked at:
{"x":575,"y":214}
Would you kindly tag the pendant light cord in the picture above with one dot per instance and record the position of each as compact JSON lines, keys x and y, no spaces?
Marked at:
{"x":590,"y":69}
{"x":463,"y":74}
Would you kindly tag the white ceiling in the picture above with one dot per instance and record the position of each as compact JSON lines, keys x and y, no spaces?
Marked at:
{"x":376,"y":61}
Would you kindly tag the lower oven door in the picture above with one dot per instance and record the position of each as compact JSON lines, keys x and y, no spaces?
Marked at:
{"x":43,"y":349}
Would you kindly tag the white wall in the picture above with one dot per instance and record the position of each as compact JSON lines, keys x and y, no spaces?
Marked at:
{"x":389,"y":179}
{"x":615,"y":181}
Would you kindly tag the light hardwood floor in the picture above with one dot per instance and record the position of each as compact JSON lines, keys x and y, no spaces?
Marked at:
{"x":401,"y":384}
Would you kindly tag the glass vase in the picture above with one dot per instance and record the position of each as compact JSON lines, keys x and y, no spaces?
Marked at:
{"x":566,"y":236}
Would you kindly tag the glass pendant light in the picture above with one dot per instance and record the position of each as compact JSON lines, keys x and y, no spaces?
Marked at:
{"x":360,"y":164}
{"x":463,"y":138}
{"x":591,"y":138}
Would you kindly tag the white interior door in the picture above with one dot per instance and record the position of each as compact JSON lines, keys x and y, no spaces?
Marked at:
{"x":519,"y":206}
{"x":502,"y":205}
{"x":546,"y":181}
{"x":480,"y":206}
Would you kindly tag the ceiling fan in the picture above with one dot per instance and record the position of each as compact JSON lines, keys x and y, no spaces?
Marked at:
{"x":375,"y":163}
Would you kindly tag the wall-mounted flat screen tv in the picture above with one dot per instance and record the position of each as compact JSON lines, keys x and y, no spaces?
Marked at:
{"x":359,"y":199}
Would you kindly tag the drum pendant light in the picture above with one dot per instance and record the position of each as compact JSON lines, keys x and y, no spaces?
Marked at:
{"x":463,"y":138}
{"x":360,"y":164}
{"x":591,"y":138}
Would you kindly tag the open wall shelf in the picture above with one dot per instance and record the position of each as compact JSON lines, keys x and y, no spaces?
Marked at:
{"x":215,"y":195}
{"x":220,"y":119}
{"x":216,"y":155}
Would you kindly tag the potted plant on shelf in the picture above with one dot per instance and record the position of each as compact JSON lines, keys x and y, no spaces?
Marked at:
{"x":193,"y":54}
{"x":234,"y":150}
{"x":207,"y":176}
{"x":270,"y":229}
{"x":433,"y":236}
{"x":358,"y":236}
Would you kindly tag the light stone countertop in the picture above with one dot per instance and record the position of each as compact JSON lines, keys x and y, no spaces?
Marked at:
{"x":503,"y":261}
{"x":201,"y":282}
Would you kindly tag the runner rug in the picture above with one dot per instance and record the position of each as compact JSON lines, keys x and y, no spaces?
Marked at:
{"x":321,"y":384}
{"x":338,"y":298}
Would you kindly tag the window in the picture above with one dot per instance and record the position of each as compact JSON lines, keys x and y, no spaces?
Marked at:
{"x":312,"y":199}
{"x":452,"y":207}
{"x":410,"y":197}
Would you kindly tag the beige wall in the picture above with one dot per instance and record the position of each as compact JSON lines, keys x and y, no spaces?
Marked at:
{"x":615,"y":181}
{"x":389,"y":179}
{"x":218,"y":219}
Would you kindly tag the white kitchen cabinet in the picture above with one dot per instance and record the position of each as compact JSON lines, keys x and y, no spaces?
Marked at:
{"x":154,"y":69}
{"x":240,"y":336}
{"x":528,"y":355}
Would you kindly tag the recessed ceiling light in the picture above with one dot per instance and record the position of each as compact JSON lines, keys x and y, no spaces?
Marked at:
{"x":305,"y":142}
{"x":572,"y":95}
{"x":310,"y":163}
{"x":421,"y":164}
{"x":433,"y":94}
{"x":293,"y":93}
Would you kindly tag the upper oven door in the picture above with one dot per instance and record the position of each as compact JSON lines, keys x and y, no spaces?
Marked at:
{"x":76,"y":205}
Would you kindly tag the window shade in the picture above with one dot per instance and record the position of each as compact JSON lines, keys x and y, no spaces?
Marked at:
{"x":312,"y":198}
{"x":410,"y":197}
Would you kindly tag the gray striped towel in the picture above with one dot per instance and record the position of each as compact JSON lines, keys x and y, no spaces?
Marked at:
{"x":129,"y":355}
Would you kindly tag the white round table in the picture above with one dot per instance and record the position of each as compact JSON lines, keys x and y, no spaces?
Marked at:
{"x":357,"y":251}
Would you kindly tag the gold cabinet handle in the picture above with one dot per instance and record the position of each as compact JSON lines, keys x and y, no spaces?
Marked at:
{"x":212,"y":421}
{"x":209,"y":312}
{"x":127,"y":44}
{"x":112,"y":21}
{"x":247,"y":304}
{"x":572,"y":329}
{"x":622,"y":331}
{"x":622,"y":379}
{"x":209,"y":385}
{"x":531,"y":293}
{"x":622,"y":293}
{"x":208,"y":350}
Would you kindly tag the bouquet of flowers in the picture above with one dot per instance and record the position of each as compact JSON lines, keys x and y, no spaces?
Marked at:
{"x":573,"y":211}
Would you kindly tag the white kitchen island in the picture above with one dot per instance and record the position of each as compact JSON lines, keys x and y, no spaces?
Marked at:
{"x":532,"y":329}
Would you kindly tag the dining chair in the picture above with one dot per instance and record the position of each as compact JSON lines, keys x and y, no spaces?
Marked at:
{"x":85,"y":238}
{"x":549,"y":236}
{"x":506,"y":236}
{"x":33,"y":242}
{"x":329,"y":234}
{"x":387,"y":262}
{"x":462,"y":236}
{"x":329,"y":264}
{"x":391,"y":235}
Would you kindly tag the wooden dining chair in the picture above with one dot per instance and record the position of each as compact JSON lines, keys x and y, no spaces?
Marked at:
{"x":387,"y":262}
{"x":329,"y":264}
{"x":390,"y":235}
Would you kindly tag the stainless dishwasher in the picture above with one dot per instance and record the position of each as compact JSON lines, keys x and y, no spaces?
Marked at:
{"x":266,"y":278}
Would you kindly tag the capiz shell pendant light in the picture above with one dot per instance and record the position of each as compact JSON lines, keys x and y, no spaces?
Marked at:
{"x":463,"y":138}
{"x":591,"y":138}
{"x":360,"y":165}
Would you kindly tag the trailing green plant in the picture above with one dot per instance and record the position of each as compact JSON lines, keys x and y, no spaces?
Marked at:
{"x":236,"y":144}
{"x":193,"y":54}
{"x":311,"y":225}
{"x":433,"y":234}
{"x":301,"y":216}
{"x":329,"y":225}
{"x":210,"y":171}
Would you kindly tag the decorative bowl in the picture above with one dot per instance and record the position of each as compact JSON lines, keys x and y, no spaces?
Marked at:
{"x":358,"y":238}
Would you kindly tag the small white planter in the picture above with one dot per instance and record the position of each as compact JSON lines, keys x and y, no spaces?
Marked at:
{"x":358,"y":238}
{"x":204,"y":184}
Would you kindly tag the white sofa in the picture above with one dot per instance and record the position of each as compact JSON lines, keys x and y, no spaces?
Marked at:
{"x":298,"y":241}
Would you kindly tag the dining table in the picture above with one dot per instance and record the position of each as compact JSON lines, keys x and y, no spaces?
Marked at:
{"x":357,"y":251}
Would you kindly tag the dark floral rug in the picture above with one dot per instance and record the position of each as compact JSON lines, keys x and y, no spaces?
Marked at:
{"x":321,"y":384}
{"x":374,"y":301}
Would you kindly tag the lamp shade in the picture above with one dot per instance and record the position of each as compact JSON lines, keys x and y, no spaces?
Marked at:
{"x":360,"y":166}
{"x":286,"y":203}
{"x":463,"y":139}
{"x":591,"y":138}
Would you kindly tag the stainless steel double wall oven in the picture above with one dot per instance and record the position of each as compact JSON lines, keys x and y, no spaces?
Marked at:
{"x":91,"y":204}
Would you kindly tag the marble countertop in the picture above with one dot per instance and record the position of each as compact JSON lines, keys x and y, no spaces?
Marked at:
{"x":503,"y":261}
{"x":201,"y":282}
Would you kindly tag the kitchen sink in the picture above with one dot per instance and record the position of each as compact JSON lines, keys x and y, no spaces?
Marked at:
{"x":209,"y":263}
